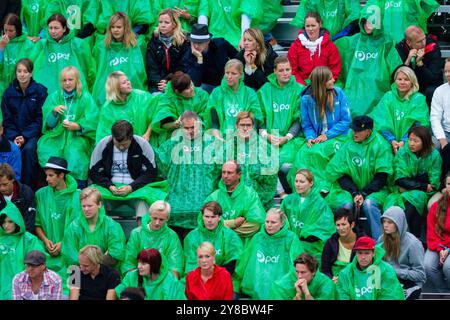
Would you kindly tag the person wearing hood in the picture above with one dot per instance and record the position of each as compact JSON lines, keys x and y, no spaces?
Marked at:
{"x":306,"y":282}
{"x":242,"y":209}
{"x":417,"y":171}
{"x":230,"y":98}
{"x":309,"y":216}
{"x":325,"y":121}
{"x":279,"y":99}
{"x":208,"y":281}
{"x":155,"y":233}
{"x":190,"y":171}
{"x":400,"y":109}
{"x":61,"y":49}
{"x":359,"y":172}
{"x":22,"y":118}
{"x":119,"y":51}
{"x":14,"y":45}
{"x":403,"y":251}
{"x":267,"y":257}
{"x":15,"y":244}
{"x":94,"y":227}
{"x":313,"y":48}
{"x":211,"y":228}
{"x":340,"y":17}
{"x":338,"y":249}
{"x":368,"y":277}
{"x":257,"y":57}
{"x":153,"y":275}
{"x":180,"y":95}
{"x":57,"y":205}
{"x":32,"y":13}
{"x":368,"y":60}
{"x":70,"y":118}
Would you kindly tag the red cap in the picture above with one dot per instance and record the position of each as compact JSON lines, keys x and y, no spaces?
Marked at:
{"x":364,"y":243}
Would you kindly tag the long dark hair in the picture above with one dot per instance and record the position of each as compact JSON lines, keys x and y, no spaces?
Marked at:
{"x":424,"y":134}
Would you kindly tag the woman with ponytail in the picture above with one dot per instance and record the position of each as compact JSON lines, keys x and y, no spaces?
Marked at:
{"x":403,"y":251}
{"x":437,"y":266}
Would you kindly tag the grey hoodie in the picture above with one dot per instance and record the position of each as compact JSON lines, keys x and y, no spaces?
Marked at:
{"x":409,"y":265}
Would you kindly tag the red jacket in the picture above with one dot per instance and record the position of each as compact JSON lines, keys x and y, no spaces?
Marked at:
{"x":219,"y":287}
{"x":303,"y":63}
{"x":433,"y":240}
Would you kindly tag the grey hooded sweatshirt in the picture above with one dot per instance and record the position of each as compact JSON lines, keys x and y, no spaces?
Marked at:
{"x":409,"y":265}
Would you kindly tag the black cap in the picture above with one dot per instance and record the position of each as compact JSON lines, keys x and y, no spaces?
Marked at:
{"x":361,"y":123}
{"x":35,"y":258}
{"x":57,"y":163}
{"x":199,"y":33}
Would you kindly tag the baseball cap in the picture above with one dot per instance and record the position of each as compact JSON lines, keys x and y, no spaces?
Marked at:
{"x":35,"y":258}
{"x":364,"y":243}
{"x":361,"y":123}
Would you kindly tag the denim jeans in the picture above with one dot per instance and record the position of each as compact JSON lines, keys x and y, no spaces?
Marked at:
{"x":438,"y":275}
{"x":372,"y":212}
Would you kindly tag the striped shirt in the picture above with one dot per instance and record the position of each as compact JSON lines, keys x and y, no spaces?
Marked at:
{"x":51,"y":287}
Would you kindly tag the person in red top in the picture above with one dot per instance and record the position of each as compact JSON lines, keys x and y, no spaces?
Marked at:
{"x":437,"y":264}
{"x":208,"y":281}
{"x":313,"y":48}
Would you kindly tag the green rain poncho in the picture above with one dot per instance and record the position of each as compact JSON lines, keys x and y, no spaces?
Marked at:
{"x":191,"y":174}
{"x":259,"y":162}
{"x":227,"y":243}
{"x":32,"y":15}
{"x":321,"y":287}
{"x":134,"y":110}
{"x":376,"y":282}
{"x":50,"y":57}
{"x":336,"y":14}
{"x":164,"y":239}
{"x":165,"y":287}
{"x":367,"y":62}
{"x":74,"y":146}
{"x":399,"y":15}
{"x":280,"y":108}
{"x":17,"y":48}
{"x":13,"y":249}
{"x":118,"y":58}
{"x":360,"y":161}
{"x":271,"y":11}
{"x":139,"y":12}
{"x":397,"y":115}
{"x":266,"y":259}
{"x":243,"y":202}
{"x":108,"y":235}
{"x":228,"y":104}
{"x":313,"y":217}
{"x":408,"y":165}
{"x":55,"y":210}
{"x":172,"y":105}
{"x":224,"y":17}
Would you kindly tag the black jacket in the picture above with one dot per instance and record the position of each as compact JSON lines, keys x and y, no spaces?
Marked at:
{"x":141,"y":166}
{"x":24,"y":201}
{"x":259,"y":77}
{"x":377,"y":183}
{"x":211,"y":71}
{"x":162,"y":61}
{"x":430,"y":74}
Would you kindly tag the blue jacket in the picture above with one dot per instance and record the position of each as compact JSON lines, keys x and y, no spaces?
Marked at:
{"x":22,"y":113}
{"x":338,"y":122}
{"x":10,"y":154}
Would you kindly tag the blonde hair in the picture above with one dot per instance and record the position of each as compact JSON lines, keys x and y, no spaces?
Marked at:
{"x":112,"y":86}
{"x":91,"y":192}
{"x":160,"y":205}
{"x":245,"y":115}
{"x":279,"y":213}
{"x":409,"y":73}
{"x":319,"y":77}
{"x":208,"y":247}
{"x":235,"y":63}
{"x":76,"y":74}
{"x":93,"y":253}
{"x":129,"y":38}
{"x":261,"y":51}
{"x":179,"y":35}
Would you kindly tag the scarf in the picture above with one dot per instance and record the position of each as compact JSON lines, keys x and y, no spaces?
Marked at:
{"x":166,"y":40}
{"x":311,"y":45}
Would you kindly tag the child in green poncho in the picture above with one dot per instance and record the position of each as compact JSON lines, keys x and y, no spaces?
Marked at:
{"x":70,"y":118}
{"x":400,"y":109}
{"x":15,"y":243}
{"x":119,"y":51}
{"x":268,"y":256}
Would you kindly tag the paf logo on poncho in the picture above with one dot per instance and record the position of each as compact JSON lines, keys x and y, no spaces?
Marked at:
{"x":53,"y":57}
{"x":233,"y":110}
{"x":357,"y":161}
{"x":261,"y":258}
{"x":56,"y":216}
{"x":329,"y":14}
{"x":280,"y":107}
{"x":392,"y":4}
{"x":228,"y":214}
{"x":399,"y":115}
{"x":4,"y":250}
{"x":297,"y":223}
{"x":34,"y":7}
{"x":227,"y":9}
{"x":364,"y":56}
{"x":10,"y":61}
{"x":118,"y":60}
